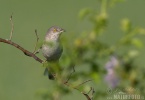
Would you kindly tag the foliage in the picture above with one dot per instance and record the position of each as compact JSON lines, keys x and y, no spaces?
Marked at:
{"x":92,"y":56}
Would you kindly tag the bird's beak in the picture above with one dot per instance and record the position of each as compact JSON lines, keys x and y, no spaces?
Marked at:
{"x":62,"y":30}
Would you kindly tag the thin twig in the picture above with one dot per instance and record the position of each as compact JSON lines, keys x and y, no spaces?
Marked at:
{"x":90,"y":90}
{"x":70,"y":75}
{"x":87,"y":96}
{"x":37,"y":39}
{"x":82,"y":83}
{"x":93,"y":91}
{"x":12,"y":27}
{"x":76,"y":87}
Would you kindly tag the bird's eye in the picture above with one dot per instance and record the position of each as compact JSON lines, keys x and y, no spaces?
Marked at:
{"x":54,"y":30}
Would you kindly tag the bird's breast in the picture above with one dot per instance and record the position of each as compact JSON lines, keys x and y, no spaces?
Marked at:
{"x":52,"y":51}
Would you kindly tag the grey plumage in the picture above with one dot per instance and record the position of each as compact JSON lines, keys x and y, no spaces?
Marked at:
{"x":52,"y":48}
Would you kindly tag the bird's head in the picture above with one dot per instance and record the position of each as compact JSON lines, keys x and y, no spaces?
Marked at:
{"x":53,"y":33}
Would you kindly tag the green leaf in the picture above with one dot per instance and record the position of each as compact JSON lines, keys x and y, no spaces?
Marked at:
{"x":96,"y":77}
{"x":137,"y":42}
{"x":84,"y":12}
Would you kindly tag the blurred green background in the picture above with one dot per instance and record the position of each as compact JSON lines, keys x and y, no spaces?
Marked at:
{"x":21,"y":77}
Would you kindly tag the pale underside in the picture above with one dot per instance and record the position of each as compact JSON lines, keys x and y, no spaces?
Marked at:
{"x":52,"y":51}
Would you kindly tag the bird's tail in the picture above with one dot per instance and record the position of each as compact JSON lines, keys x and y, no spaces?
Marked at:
{"x":47,"y":73}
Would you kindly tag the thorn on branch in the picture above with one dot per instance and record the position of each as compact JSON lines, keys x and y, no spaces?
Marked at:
{"x":12,"y":27}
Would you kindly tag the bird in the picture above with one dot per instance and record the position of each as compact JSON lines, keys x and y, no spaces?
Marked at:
{"x":52,"y":48}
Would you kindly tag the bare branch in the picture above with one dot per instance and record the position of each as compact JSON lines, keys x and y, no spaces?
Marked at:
{"x":12,"y":27}
{"x":26,"y":52}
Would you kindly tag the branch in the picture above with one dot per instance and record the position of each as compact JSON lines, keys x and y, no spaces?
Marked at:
{"x":70,"y":75}
{"x":87,"y":94}
{"x":26,"y":52}
{"x":82,"y":83}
